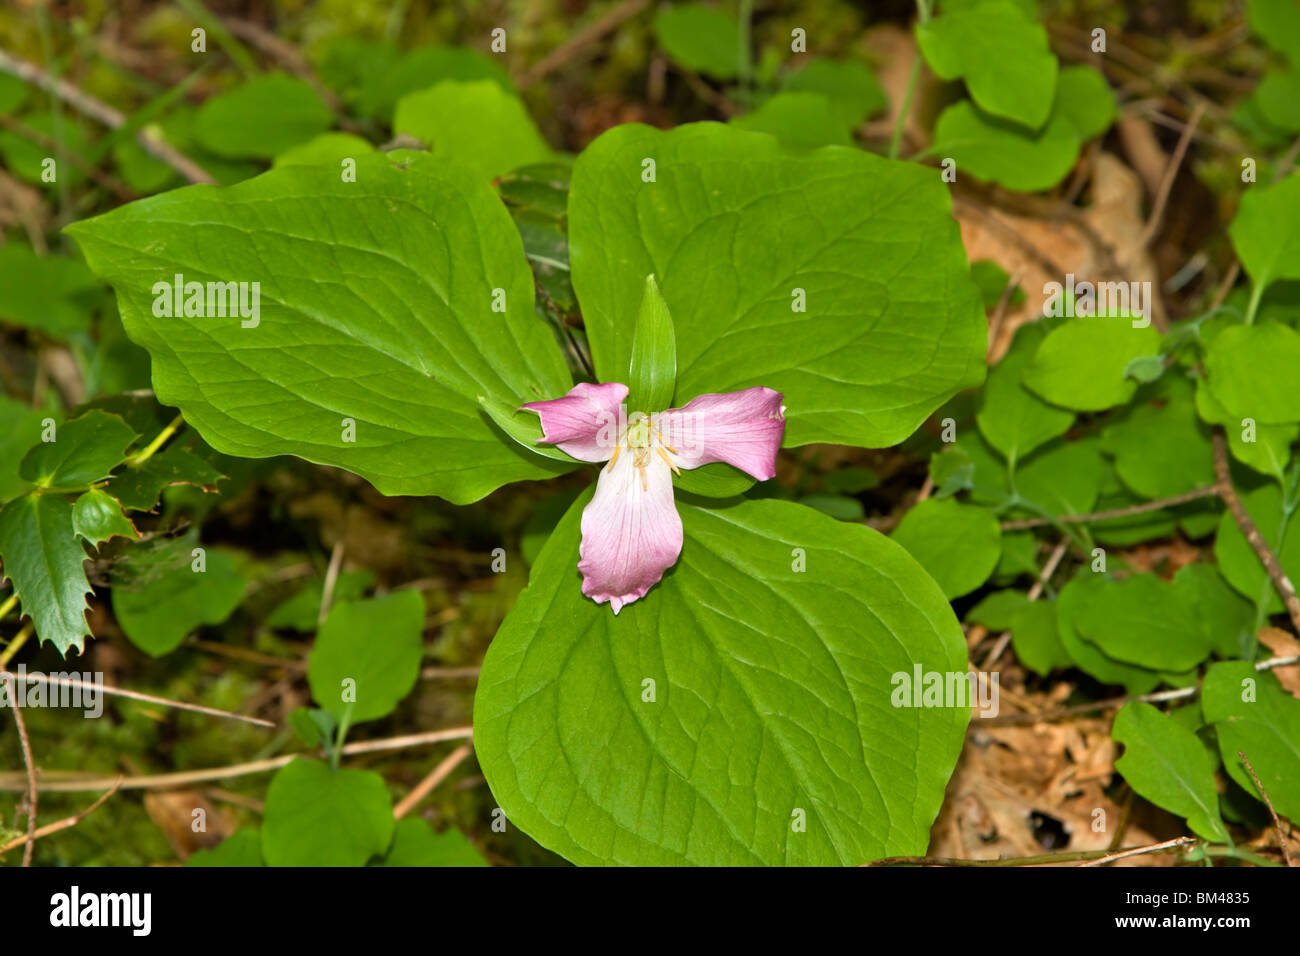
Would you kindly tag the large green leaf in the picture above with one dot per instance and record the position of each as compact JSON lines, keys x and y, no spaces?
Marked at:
{"x":415,"y":844}
{"x":1002,"y":55}
{"x":1266,"y":232}
{"x":1251,"y":371}
{"x":158,"y":613}
{"x":43,"y":559}
{"x":732,"y":226}
{"x":1081,"y":364}
{"x":20,"y":429}
{"x":367,"y":655}
{"x":1165,"y":763}
{"x":1161,"y":452}
{"x":804,"y":120}
{"x":958,"y":544}
{"x":701,"y":38}
{"x":262,"y":118}
{"x":420,"y":69}
{"x":1145,"y":621}
{"x":852,"y":88}
{"x":772,"y":647}
{"x":1251,"y":713}
{"x":316,"y":816}
{"x":1013,"y":419}
{"x":376,"y":306}
{"x":476,"y":124}
{"x":1080,"y":593}
{"x":1238,"y":560}
{"x":41,"y":292}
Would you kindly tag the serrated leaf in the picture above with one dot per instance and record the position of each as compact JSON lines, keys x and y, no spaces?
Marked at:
{"x":1265,"y":727}
{"x":84,"y":450}
{"x":652,"y":375}
{"x":97,"y":516}
{"x":1167,"y":764}
{"x":138,"y":486}
{"x":768,"y":698}
{"x":853,"y":90}
{"x":20,"y":429}
{"x":416,"y":844}
{"x":700,"y":38}
{"x":262,"y":118}
{"x":1001,"y":54}
{"x":159,"y":613}
{"x":959,"y":545}
{"x":476,"y":124}
{"x":401,"y":343}
{"x":1081,"y":363}
{"x":892,"y":326}
{"x":43,"y":560}
{"x":367,"y":655}
{"x":316,"y":816}
{"x":1013,"y":419}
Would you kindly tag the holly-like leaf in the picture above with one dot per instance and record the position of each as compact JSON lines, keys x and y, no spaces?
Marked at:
{"x":370,"y":314}
{"x":44,"y":561}
{"x":160,"y":612}
{"x":20,"y":429}
{"x":367,"y":655}
{"x":416,"y":844}
{"x":476,"y":124}
{"x":892,"y":324}
{"x":1001,"y":54}
{"x":84,"y":450}
{"x":700,"y":38}
{"x":958,"y":544}
{"x":262,"y":117}
{"x":1081,"y":363}
{"x":1251,"y":713}
{"x":138,"y":486}
{"x":1167,"y":764}
{"x":747,"y":692}
{"x":317,"y":816}
{"x":97,"y":516}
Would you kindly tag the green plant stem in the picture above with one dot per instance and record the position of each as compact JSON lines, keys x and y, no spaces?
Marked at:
{"x":10,"y":602}
{"x":1256,"y":293}
{"x":151,"y":449}
{"x":14,"y":646}
{"x":923,"y":13}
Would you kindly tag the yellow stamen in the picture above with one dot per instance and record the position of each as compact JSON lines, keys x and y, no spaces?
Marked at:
{"x":668,"y":460}
{"x":617,"y":449}
{"x":664,"y":443}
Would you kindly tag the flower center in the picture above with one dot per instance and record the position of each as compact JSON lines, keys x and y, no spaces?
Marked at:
{"x":642,"y":437}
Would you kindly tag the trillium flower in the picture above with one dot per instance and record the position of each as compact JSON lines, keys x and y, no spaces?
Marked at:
{"x":631,"y":532}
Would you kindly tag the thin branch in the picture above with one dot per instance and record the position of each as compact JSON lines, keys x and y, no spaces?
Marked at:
{"x":101,"y":111}
{"x":55,"y":782}
{"x":565,"y":52}
{"x":1247,"y":526}
{"x":1169,"y":845}
{"x":1277,"y":824}
{"x":1114,"y":703}
{"x":331,"y":579}
{"x":1207,"y":492}
{"x":1074,"y":856}
{"x":448,"y":673}
{"x":64,"y":824}
{"x":1167,"y":183}
{"x":436,"y":776}
{"x":145,"y":698}
{"x":29,"y":763}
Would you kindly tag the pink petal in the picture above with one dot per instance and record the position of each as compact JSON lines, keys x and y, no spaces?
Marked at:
{"x":584,"y":423}
{"x":631,"y":534}
{"x":742,"y":428}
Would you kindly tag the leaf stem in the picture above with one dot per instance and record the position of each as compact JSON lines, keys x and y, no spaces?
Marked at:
{"x":10,"y":602}
{"x":14,"y":646}
{"x":151,"y":449}
{"x":923,"y":13}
